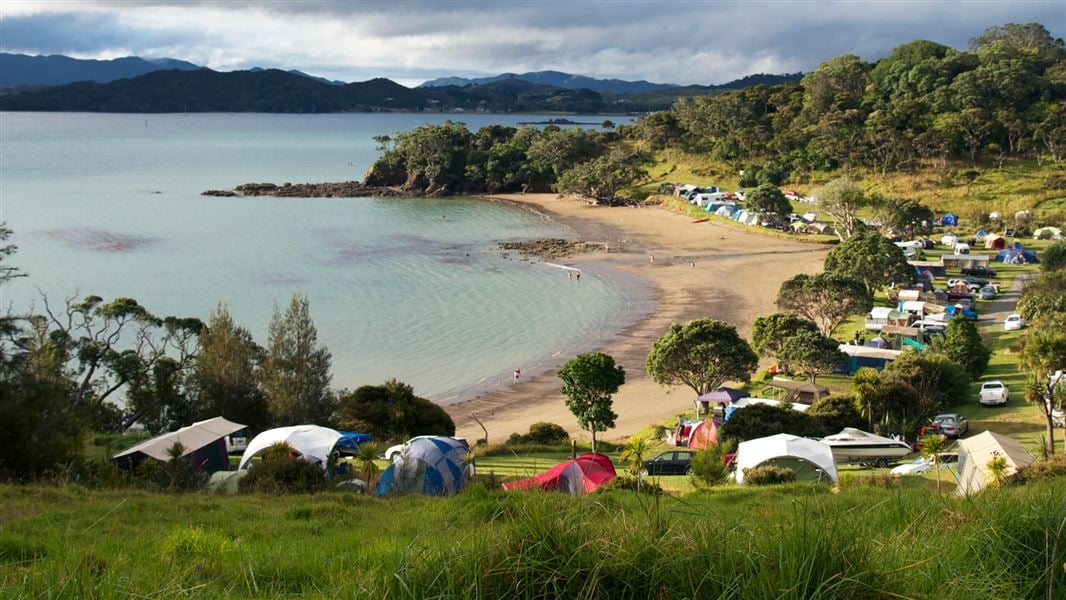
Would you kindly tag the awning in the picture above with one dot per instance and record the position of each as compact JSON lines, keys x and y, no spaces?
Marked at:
{"x":192,"y":438}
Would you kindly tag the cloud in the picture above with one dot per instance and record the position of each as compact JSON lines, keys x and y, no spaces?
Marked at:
{"x":681,"y":42}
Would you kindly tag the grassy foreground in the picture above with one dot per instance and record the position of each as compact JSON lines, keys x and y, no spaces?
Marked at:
{"x":794,"y":541}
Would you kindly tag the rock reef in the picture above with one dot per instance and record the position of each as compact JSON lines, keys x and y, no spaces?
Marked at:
{"x":550,"y":248}
{"x":342,"y":189}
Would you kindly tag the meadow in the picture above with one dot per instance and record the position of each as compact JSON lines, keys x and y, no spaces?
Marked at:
{"x":792,"y":541}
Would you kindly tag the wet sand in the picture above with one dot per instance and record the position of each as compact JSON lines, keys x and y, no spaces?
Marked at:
{"x":735,"y":279}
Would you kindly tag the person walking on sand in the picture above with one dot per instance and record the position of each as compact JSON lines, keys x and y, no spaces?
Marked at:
{"x":652,"y":259}
{"x":517,"y":374}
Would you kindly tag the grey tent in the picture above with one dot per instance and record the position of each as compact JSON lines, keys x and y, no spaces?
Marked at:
{"x":204,"y":441}
{"x":975,"y":454}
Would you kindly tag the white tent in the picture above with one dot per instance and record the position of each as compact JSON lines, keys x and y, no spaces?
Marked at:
{"x":1055,"y":233}
{"x":192,"y":438}
{"x":314,"y":443}
{"x":749,"y":401}
{"x":785,"y":450}
{"x":975,"y":452}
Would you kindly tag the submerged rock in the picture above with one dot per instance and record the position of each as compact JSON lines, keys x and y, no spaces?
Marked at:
{"x":342,"y":189}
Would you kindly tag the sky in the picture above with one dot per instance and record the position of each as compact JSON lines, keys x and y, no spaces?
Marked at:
{"x":703,"y":42}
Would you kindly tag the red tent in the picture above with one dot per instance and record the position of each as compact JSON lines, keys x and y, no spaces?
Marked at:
{"x":579,"y":476}
{"x":703,"y":434}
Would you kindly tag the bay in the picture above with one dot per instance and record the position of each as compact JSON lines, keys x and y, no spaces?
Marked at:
{"x":409,"y":288}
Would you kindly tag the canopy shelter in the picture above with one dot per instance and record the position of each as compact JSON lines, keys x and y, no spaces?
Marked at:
{"x":811,"y":460}
{"x":975,"y":454}
{"x":800,"y":391}
{"x":433,"y":466}
{"x":204,"y":441}
{"x":727,"y":395}
{"x":575,"y":477}
{"x":313,"y":443}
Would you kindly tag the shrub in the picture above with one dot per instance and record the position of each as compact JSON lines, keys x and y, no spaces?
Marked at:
{"x":541,"y":433}
{"x":1054,"y":258}
{"x":1041,"y":470}
{"x":628,"y":482}
{"x":708,"y":465}
{"x":836,"y":413}
{"x":761,"y":420}
{"x":769,"y":475}
{"x":284,"y":476}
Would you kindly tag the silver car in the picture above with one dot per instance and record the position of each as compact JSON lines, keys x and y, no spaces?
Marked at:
{"x":952,"y":424}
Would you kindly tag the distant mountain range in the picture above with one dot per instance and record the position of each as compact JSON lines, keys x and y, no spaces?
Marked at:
{"x":560,"y":80}
{"x":59,"y":83}
{"x":23,"y":70}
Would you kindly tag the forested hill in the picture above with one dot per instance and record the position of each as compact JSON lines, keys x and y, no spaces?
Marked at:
{"x":272,"y":90}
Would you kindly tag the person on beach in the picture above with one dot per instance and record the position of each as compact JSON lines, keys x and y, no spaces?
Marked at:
{"x":569,"y":275}
{"x":579,"y":275}
{"x":517,"y":374}
{"x":652,"y":257}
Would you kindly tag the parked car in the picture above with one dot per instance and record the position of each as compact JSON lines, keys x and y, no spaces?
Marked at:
{"x":930,"y":325}
{"x":673,"y":462}
{"x":987,"y":293}
{"x":971,"y":283}
{"x":1014,"y":322}
{"x":925,"y":464}
{"x":994,"y":393}
{"x":979,"y":272}
{"x":952,"y":425}
{"x":394,"y":452}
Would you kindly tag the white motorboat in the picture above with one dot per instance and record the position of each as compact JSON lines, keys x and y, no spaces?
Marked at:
{"x":855,"y":445}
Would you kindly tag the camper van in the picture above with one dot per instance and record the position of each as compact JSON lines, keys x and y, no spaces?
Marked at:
{"x":961,"y":248}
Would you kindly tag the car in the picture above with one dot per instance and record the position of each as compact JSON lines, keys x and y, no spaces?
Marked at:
{"x":930,"y":325}
{"x":994,"y":393}
{"x":952,"y":425}
{"x":671,"y":462}
{"x":1013,"y":322}
{"x":925,"y":463}
{"x":979,"y":272}
{"x":394,"y":452}
{"x":987,"y":293}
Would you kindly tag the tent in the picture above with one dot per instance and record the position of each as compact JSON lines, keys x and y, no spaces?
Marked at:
{"x":822,"y":229}
{"x":949,"y":220}
{"x":1016,"y":256}
{"x":726,"y":211}
{"x":949,"y":240}
{"x":434,"y":466}
{"x":879,"y":342}
{"x":995,"y":242}
{"x":1054,"y":232}
{"x":810,"y":459}
{"x":313,"y":443}
{"x":749,"y":401}
{"x":703,"y":434}
{"x":204,"y":441}
{"x":980,"y":235}
{"x":800,"y":391}
{"x":575,"y":477}
{"x":975,"y":452}
{"x":226,"y":483}
{"x":722,"y":394}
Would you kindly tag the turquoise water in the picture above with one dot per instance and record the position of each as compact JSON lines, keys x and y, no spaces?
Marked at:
{"x":413,"y":289}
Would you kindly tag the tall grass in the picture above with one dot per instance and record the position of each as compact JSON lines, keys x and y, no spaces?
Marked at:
{"x":792,"y":541}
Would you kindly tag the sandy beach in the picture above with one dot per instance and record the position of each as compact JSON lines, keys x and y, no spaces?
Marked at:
{"x":700,"y":270}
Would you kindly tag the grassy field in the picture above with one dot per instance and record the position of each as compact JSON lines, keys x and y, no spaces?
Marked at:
{"x":794,"y":541}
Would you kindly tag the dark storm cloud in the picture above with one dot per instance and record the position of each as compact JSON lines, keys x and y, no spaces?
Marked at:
{"x":684,"y":42}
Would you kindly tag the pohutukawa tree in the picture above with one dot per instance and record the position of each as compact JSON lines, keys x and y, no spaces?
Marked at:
{"x":589,"y":382}
{"x":828,"y":299}
{"x":702,"y":354}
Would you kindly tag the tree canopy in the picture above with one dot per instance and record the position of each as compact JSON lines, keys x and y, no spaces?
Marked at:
{"x":392,"y":411}
{"x":589,"y":382}
{"x":827,"y":299}
{"x":769,"y":331}
{"x":702,"y":354}
{"x":295,"y":373}
{"x":871,"y":258}
{"x":811,"y":354}
{"x":769,"y":199}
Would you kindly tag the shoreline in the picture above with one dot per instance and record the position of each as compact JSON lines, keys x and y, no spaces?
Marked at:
{"x":700,"y":270}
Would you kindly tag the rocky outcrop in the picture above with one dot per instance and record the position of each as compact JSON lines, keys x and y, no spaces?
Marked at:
{"x":550,"y":248}
{"x":343,"y":189}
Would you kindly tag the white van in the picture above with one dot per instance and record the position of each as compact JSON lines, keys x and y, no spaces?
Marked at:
{"x":962,"y":248}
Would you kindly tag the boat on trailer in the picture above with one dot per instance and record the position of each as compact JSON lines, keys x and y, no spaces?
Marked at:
{"x":857,"y":446}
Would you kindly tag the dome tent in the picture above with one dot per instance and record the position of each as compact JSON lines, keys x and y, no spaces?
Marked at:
{"x":810,"y":459}
{"x":949,"y":219}
{"x":312,"y":442}
{"x":434,"y":466}
{"x":575,"y":477}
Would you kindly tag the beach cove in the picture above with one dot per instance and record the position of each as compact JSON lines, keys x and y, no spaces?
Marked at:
{"x":699,"y":270}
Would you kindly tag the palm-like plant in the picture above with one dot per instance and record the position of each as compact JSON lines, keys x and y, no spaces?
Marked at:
{"x":997,"y":469}
{"x":369,"y":469}
{"x":932,"y":445}
{"x":633,"y":454}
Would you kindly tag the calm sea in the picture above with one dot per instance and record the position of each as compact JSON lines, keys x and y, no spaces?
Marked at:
{"x":414,"y":289}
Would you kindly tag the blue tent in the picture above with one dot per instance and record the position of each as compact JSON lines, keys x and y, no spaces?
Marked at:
{"x":351,"y":440}
{"x":949,"y":220}
{"x":1016,"y":256}
{"x":434,"y":466}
